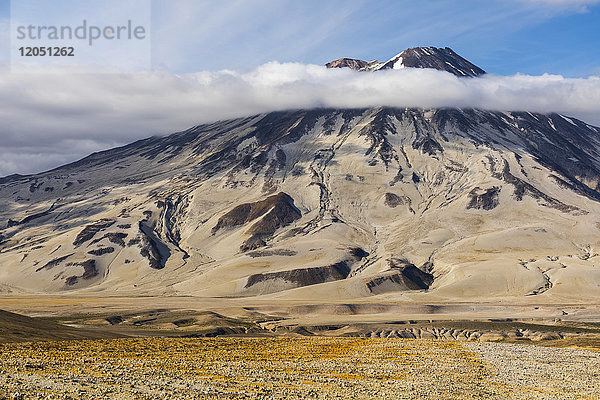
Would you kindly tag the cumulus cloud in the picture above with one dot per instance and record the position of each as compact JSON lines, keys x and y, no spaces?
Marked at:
{"x":52,"y":118}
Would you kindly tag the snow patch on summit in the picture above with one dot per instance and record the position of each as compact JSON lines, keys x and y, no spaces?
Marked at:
{"x":398,"y":64}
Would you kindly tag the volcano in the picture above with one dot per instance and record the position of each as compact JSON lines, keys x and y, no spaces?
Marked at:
{"x":462,"y":204}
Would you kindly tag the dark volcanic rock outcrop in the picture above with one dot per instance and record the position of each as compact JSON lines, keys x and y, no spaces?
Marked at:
{"x":284,"y":280}
{"x":91,"y":230}
{"x":90,"y":270}
{"x":272,"y":213}
{"x":31,"y":217}
{"x":402,"y":275}
{"x":113,"y":237}
{"x":484,"y":199}
{"x":53,"y":263}
{"x":101,"y":251}
{"x":393,"y":200}
{"x":279,"y":210}
{"x":151,"y":248}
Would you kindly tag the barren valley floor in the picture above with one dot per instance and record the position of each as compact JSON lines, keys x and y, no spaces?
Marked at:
{"x":294,"y":368}
{"x":148,"y":348}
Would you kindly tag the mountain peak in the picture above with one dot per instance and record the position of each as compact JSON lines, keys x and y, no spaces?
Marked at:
{"x":357,"y":65}
{"x":443,"y":59}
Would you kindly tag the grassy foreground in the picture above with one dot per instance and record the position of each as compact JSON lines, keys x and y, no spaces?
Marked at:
{"x":255,"y":368}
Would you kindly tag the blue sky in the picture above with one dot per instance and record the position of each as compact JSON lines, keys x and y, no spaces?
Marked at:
{"x":502,"y":36}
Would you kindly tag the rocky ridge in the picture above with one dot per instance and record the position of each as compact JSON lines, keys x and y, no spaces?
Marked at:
{"x":443,"y":59}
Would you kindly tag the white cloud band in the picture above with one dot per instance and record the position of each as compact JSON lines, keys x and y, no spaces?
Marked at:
{"x":66,"y":116}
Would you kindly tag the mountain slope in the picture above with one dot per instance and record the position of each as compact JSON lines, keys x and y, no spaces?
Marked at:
{"x":456,"y":204}
{"x":19,"y":328}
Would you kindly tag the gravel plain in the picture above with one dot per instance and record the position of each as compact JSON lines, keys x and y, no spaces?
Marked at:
{"x":294,"y":368}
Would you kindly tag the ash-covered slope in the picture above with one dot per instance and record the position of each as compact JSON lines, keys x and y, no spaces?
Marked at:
{"x":463,"y":204}
{"x":443,"y":59}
